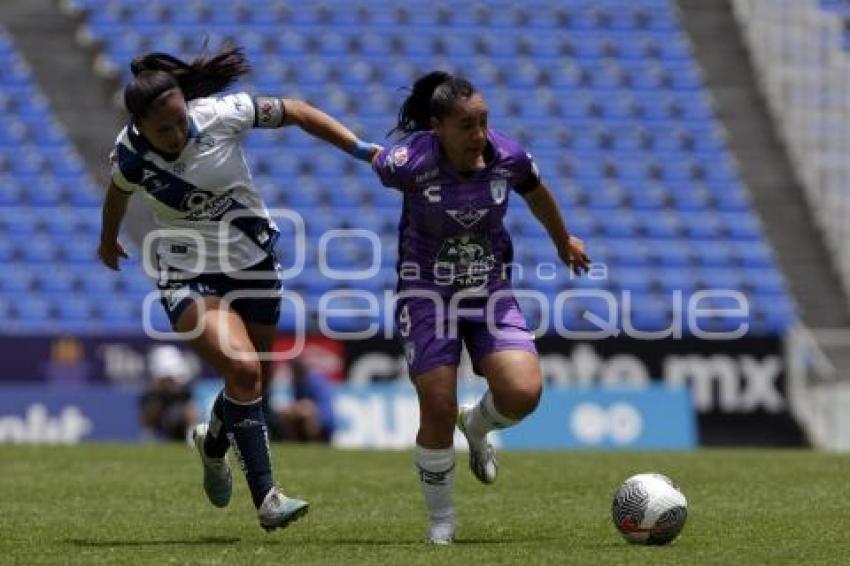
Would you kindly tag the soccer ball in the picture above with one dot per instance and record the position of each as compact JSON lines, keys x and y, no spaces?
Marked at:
{"x":649,"y":509}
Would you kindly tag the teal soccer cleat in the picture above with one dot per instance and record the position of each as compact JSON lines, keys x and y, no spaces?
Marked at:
{"x":218,"y":481}
{"x":277,"y":510}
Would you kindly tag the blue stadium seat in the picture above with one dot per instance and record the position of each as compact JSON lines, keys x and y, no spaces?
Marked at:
{"x":702,"y":225}
{"x":82,"y":249}
{"x":672,"y":253}
{"x":73,"y":308}
{"x":16,"y":279}
{"x":671,"y":279}
{"x":34,"y":308}
{"x":97,"y":283}
{"x":58,"y":279}
{"x":120,"y":310}
{"x":763,"y":281}
{"x":719,"y":278}
{"x":753,"y":254}
{"x":634,"y":279}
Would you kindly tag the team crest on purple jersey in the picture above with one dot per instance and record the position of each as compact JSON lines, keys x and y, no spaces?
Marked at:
{"x":499,"y":190}
{"x":432,"y":193}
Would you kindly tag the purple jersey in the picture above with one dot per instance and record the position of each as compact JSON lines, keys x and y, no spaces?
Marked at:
{"x":451,"y":232}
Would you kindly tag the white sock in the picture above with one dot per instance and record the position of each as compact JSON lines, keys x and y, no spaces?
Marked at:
{"x":436,"y":476}
{"x":484,"y":417}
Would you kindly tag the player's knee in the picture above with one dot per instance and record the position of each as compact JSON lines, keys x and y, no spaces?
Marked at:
{"x":526,"y":397}
{"x":246,"y":377}
{"x":440,"y":415}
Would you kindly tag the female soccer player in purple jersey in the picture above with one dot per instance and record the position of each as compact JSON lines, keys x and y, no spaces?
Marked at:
{"x":454,"y":277}
{"x":182,"y":151}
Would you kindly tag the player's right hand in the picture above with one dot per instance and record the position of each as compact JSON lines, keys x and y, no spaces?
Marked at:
{"x":109,"y":252}
{"x":573,"y":254}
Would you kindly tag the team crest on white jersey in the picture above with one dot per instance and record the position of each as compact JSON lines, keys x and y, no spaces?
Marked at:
{"x":467,"y":217}
{"x":498,"y":190}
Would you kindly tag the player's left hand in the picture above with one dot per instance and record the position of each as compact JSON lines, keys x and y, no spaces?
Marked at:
{"x":573,"y":255}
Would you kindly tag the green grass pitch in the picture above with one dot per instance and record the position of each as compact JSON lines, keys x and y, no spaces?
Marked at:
{"x":117,"y":505}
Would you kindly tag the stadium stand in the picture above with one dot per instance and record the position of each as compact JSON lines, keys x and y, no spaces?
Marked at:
{"x":50,"y":220}
{"x":608,"y":99}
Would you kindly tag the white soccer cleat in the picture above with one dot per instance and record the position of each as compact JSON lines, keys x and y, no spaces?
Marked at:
{"x":218,"y":481}
{"x":482,"y":455}
{"x":277,"y":510}
{"x":441,"y":533}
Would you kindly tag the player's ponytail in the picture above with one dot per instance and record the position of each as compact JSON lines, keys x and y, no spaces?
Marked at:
{"x":432,"y":96}
{"x":156,"y":73}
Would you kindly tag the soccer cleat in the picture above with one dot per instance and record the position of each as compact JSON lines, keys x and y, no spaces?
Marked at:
{"x":218,"y":481}
{"x":441,"y":533}
{"x":482,"y":455}
{"x":277,"y":510}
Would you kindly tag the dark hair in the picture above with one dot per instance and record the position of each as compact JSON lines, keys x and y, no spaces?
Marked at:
{"x":432,"y":96}
{"x":157,"y":73}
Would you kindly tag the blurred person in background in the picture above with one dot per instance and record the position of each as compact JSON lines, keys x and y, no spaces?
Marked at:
{"x":67,"y":364}
{"x":182,"y":151}
{"x":166,"y":407}
{"x":309,"y":416}
{"x":456,"y":175}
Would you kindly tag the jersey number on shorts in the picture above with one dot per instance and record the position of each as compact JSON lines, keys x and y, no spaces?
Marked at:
{"x":404,"y":321}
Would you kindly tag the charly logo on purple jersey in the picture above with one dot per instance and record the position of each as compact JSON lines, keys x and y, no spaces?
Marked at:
{"x":432,"y":193}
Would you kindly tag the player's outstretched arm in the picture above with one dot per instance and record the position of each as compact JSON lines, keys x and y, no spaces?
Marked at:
{"x":545,"y":208}
{"x":114,"y":208}
{"x":325,"y":127}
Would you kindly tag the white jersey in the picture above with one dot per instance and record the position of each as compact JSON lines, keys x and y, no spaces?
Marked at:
{"x":195,"y":192}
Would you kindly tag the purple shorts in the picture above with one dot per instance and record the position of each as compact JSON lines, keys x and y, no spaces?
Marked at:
{"x":433,"y":336}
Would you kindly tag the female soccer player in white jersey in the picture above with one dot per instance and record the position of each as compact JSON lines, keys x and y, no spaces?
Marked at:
{"x":182,"y":151}
{"x":454,"y":277}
